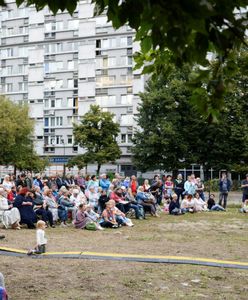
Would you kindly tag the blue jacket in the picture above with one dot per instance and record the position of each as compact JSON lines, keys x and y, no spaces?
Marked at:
{"x":228,"y":185}
{"x":104,"y":184}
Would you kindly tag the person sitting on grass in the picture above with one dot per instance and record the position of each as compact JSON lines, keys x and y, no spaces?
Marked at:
{"x":9,"y":215}
{"x":92,"y":196}
{"x":244,"y":209}
{"x":146,"y":201}
{"x":108,"y":217}
{"x":188,"y":205}
{"x":212,"y":206}
{"x":174,"y":206}
{"x":51,"y":203}
{"x":120,"y":216}
{"x":83,"y":221}
{"x":200,"y":204}
{"x":25,"y":207}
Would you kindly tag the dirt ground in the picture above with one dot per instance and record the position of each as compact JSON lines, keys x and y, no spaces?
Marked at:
{"x":217,"y":235}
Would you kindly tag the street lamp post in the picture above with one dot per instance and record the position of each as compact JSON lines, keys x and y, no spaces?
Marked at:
{"x":63,"y":143}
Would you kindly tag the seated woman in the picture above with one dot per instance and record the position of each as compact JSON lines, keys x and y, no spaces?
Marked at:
{"x":83,"y":220}
{"x":147,"y":202}
{"x":117,"y":196}
{"x":51,"y":204}
{"x":188,"y":204}
{"x":65,"y":206}
{"x":9,"y":215}
{"x":212,"y":206}
{"x":139,"y":211}
{"x":120,"y":216}
{"x":92,"y":196}
{"x":102,"y":200}
{"x":108,"y":217}
{"x":200,"y":205}
{"x":25,"y":207}
{"x":40,"y":208}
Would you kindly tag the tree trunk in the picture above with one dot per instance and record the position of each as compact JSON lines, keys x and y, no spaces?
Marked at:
{"x":98,"y":169}
{"x":15,"y":170}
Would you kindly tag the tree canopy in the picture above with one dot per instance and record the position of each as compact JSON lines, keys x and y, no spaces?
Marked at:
{"x":174,"y":134}
{"x":177,"y":32}
{"x":16,"y":145}
{"x":97,"y":134}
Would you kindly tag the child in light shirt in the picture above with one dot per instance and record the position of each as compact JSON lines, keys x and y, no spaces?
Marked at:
{"x":41,"y":240}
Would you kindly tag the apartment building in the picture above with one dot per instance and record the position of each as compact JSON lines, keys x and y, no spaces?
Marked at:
{"x":62,"y":64}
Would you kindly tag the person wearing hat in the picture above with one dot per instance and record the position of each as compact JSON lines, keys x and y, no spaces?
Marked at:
{"x":244,"y":186}
{"x":76,"y":198}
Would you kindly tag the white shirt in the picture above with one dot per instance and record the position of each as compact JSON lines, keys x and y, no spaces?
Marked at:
{"x":40,"y":237}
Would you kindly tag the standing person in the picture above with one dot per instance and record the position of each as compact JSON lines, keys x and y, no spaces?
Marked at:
{"x":200,"y":188}
{"x":41,"y":240}
{"x":224,"y":186}
{"x":134,"y":185}
{"x":29,"y":181}
{"x":244,"y":186}
{"x":168,"y":186}
{"x":190,"y":185}
{"x":179,"y":187}
{"x":146,"y":185}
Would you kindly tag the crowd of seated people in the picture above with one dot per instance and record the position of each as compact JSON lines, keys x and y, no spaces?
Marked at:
{"x":99,"y":200}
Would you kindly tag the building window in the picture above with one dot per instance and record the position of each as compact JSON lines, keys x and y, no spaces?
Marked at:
{"x":58,"y":102}
{"x":69,"y":102}
{"x":69,"y":120}
{"x":71,"y":64}
{"x":9,"y":87}
{"x":69,"y":139}
{"x":70,"y":83}
{"x":129,"y":40}
{"x":59,"y":121}
{"x":46,"y":122}
{"x":52,"y":121}
{"x":123,"y":138}
{"x":129,"y":138}
{"x":52,"y":102}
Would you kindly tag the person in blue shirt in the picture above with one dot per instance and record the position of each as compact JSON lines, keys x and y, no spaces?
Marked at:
{"x":104,"y":182}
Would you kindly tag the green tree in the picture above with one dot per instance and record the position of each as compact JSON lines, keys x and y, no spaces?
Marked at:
{"x":97,"y":134}
{"x":16,"y":145}
{"x":174,"y":134}
{"x":177,"y":32}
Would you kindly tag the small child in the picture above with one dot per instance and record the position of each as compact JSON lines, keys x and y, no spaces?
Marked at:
{"x":40,"y":238}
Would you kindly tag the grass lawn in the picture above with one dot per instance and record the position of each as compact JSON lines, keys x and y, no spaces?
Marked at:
{"x":209,"y":235}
